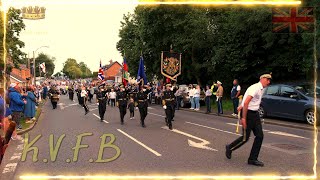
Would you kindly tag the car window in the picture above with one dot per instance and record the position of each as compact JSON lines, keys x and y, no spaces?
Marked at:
{"x":287,"y":91}
{"x":272,"y":90}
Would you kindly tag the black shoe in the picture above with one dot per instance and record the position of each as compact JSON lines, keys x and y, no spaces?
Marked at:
{"x":255,"y":163}
{"x":228,"y":152}
{"x":86,"y":113}
{"x":172,"y":119}
{"x":170,"y":126}
{"x":143,"y":126}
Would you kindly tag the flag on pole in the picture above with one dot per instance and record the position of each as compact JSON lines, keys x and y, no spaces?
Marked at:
{"x":293,"y":20}
{"x":125,"y":75}
{"x":43,"y":67}
{"x":141,"y":74}
{"x":100,"y":73}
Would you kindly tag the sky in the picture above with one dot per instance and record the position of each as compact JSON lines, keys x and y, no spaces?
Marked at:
{"x":87,"y":31}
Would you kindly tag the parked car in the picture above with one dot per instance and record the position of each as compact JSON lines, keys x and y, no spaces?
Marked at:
{"x":290,"y":101}
{"x":185,"y":100}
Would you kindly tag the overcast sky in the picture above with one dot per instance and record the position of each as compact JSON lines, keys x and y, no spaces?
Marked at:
{"x":84,"y":31}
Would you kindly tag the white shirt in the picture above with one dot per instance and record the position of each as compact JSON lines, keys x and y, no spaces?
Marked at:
{"x":191,"y":92}
{"x":256,"y":91}
{"x":196,"y":93}
{"x":208,"y":92}
{"x":113,"y":95}
{"x":83,"y":93}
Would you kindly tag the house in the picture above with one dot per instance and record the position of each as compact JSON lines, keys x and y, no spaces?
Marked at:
{"x":111,"y":71}
{"x":20,"y":75}
{"x":118,"y":77}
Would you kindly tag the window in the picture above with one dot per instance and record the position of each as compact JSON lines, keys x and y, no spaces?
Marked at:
{"x":287,"y":91}
{"x":272,"y":90}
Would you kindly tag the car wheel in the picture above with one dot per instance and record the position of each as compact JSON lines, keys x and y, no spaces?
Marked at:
{"x":262,"y":113}
{"x":182,"y":104}
{"x":309,"y":116}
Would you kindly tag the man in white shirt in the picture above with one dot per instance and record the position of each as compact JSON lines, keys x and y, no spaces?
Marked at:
{"x":251,"y":120}
{"x":112,"y":97}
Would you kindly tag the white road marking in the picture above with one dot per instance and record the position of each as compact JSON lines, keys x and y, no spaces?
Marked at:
{"x":9,"y":168}
{"x":150,"y":108}
{"x":213,"y":128}
{"x":286,"y":134}
{"x":99,"y":118}
{"x":20,"y":147}
{"x":15,"y":157}
{"x":140,"y":143}
{"x":202,"y":145}
{"x":278,"y":133}
{"x":156,"y":114}
{"x":93,"y":109}
{"x":232,"y":124}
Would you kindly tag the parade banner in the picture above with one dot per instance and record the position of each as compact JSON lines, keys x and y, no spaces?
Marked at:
{"x":171,"y":65}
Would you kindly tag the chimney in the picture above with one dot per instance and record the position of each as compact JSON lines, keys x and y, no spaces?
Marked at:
{"x":111,"y":61}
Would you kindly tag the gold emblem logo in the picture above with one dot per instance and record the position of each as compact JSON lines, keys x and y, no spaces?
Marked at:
{"x":33,"y":12}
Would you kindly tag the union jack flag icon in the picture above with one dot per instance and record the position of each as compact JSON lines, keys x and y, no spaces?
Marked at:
{"x":293,"y":20}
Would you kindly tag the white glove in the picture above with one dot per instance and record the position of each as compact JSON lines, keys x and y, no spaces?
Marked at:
{"x":164,"y":107}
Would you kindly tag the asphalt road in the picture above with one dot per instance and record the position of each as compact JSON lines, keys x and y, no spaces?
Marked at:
{"x":196,"y":146}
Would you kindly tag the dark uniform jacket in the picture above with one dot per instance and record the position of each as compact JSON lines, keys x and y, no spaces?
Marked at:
{"x":142,"y":99}
{"x":102,"y":96}
{"x":122,"y":98}
{"x":54,"y":95}
{"x":168,"y":98}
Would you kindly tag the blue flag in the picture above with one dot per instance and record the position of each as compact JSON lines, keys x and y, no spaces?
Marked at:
{"x":141,"y":73}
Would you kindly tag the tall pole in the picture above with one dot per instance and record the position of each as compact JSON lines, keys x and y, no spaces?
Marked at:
{"x":34,"y":63}
{"x":34,"y":69}
{"x":39,"y":73}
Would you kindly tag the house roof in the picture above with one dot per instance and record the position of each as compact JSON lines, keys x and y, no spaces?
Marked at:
{"x":106,"y":67}
{"x":17,"y":77}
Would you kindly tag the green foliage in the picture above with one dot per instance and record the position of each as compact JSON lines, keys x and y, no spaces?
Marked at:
{"x":216,"y":43}
{"x":94,"y":74}
{"x":14,"y":26}
{"x":49,"y":62}
{"x":74,"y":70}
{"x":86,"y":72}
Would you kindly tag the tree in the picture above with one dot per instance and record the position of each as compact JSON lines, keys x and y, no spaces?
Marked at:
{"x":86,"y":72}
{"x":49,"y":62}
{"x":95,"y":74}
{"x":74,"y":70}
{"x":15,"y":25}
{"x":216,"y":43}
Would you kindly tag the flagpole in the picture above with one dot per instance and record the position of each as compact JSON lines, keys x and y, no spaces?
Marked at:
{"x":39,"y":74}
{"x":315,"y":94}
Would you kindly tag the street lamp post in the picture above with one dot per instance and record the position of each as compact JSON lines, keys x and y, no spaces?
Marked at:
{"x":34,"y":63}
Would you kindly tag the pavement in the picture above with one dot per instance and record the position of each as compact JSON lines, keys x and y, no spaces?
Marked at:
{"x":196,"y":145}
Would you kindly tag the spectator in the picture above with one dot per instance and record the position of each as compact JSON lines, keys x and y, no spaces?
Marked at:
{"x":30,"y":107}
{"x":191,"y":94}
{"x":208,"y":99}
{"x":178,"y":97}
{"x":45,"y":91}
{"x":219,"y":95}
{"x":235,"y":92}
{"x":196,"y":97}
{"x":6,"y":115}
{"x":16,"y":103}
{"x":113,"y":97}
